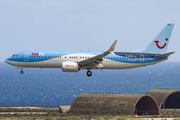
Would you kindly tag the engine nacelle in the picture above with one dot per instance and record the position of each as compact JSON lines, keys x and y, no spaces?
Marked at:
{"x":70,"y":67}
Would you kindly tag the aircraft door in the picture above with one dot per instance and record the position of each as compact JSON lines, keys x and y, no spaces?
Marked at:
{"x":141,"y":58}
{"x":78,"y":58}
{"x":25,"y":56}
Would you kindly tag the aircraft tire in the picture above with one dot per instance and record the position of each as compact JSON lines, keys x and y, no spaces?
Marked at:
{"x":21,"y":72}
{"x":89,"y":73}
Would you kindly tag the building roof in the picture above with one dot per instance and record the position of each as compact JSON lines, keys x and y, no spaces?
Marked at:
{"x":114,"y":104}
{"x":161,"y":96}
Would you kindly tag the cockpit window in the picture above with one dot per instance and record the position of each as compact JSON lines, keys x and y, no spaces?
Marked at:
{"x":14,"y":56}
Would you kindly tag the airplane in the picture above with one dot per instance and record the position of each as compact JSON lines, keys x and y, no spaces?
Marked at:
{"x":71,"y":61}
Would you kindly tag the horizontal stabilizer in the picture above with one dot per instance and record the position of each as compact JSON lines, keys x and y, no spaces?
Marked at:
{"x":164,"y":55}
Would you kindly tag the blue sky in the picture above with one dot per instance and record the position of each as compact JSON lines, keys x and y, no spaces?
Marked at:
{"x":87,"y":25}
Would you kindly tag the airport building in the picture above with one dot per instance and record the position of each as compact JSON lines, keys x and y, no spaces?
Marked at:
{"x":166,"y":99}
{"x":114,"y":104}
{"x":149,"y":103}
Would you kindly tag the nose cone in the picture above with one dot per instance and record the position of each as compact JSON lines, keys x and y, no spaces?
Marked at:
{"x":7,"y":60}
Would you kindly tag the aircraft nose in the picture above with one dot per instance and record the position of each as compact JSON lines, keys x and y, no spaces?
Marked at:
{"x":7,"y":61}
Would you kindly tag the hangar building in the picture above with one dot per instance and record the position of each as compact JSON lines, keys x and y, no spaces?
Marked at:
{"x":166,"y":99}
{"x":104,"y":104}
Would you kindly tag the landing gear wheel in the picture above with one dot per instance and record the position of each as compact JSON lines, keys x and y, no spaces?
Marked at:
{"x":21,"y":72}
{"x":89,"y":73}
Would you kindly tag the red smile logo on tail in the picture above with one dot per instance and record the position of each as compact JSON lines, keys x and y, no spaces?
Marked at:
{"x":161,"y":47}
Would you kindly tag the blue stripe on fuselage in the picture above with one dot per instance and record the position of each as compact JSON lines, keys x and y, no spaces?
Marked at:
{"x":118,"y":58}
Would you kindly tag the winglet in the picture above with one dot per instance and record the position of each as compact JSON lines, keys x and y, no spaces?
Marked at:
{"x":111,"y":49}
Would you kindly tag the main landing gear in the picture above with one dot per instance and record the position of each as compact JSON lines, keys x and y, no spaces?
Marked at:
{"x":89,"y":73}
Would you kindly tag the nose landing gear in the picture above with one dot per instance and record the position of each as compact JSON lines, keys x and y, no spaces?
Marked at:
{"x":89,"y":73}
{"x":21,"y":71}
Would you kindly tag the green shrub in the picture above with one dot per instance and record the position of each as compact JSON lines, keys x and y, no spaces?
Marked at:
{"x":176,"y":115}
{"x":121,"y":118}
{"x":154,"y":116}
{"x":175,"y":119}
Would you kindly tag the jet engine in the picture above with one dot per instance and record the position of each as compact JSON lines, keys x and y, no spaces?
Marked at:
{"x":70,"y":67}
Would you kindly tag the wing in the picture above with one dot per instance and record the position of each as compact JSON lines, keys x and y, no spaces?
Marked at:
{"x":164,"y":55}
{"x":95,"y":62}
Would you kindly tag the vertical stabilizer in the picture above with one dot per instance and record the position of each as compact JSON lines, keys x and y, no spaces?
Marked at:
{"x":160,"y":44}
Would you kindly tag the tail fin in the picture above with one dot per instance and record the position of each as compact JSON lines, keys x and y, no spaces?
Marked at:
{"x":160,"y":44}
